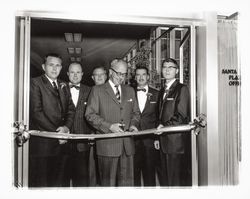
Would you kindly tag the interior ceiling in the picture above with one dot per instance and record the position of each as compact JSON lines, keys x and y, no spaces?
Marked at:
{"x":100,"y":42}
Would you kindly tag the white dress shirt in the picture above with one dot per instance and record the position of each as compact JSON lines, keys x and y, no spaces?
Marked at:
{"x":142,"y":98}
{"x":75,"y":94}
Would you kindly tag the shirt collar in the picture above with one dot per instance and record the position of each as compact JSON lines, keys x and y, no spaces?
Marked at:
{"x":169,"y":84}
{"x":112,"y":84}
{"x":146,"y":87}
{"x":50,"y":80}
{"x":74,"y":84}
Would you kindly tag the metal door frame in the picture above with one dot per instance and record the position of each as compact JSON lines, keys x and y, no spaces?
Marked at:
{"x":22,"y":82}
{"x":24,"y":64}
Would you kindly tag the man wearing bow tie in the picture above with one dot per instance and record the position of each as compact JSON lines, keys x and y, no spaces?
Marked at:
{"x":113,"y":108}
{"x":78,"y":160}
{"x":174,"y":109}
{"x":146,"y":147}
{"x":51,"y":109}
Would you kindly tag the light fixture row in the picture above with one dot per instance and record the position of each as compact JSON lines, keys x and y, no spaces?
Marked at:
{"x":75,"y":59}
{"x":74,"y":50}
{"x":73,"y":37}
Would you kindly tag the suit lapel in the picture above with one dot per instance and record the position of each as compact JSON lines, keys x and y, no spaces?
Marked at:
{"x":61,"y":87}
{"x":48,"y":85}
{"x":111,"y":93}
{"x":80,"y":96}
{"x":163,"y":101}
{"x":123,"y":95}
{"x":147,"y":100}
{"x":137,"y":98}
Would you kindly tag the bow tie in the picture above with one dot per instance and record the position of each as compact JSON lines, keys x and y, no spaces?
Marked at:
{"x":74,"y":86}
{"x":141,"y":89}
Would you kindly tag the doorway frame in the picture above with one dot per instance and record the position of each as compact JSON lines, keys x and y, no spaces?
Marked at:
{"x":134,"y":20}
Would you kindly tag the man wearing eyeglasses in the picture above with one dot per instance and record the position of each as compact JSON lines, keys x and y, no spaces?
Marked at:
{"x":113,"y":108}
{"x":174,"y":109}
{"x":99,"y":76}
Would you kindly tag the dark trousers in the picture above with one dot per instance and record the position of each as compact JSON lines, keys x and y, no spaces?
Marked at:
{"x":146,"y":164}
{"x":46,"y":171}
{"x":175,"y":170}
{"x":94,"y":178}
{"x":77,"y":169}
{"x":116,"y":171}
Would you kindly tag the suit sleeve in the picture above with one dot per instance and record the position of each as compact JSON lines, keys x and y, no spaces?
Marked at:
{"x":70,"y":115}
{"x":92,"y":113}
{"x":182,"y":109}
{"x":135,"y":115}
{"x":37,"y":114}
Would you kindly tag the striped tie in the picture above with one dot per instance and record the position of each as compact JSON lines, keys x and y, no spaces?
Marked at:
{"x":117,"y":94}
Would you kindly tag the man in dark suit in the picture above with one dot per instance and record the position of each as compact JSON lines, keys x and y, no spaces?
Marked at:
{"x":174,"y":109}
{"x":112,"y":108}
{"x":79,"y":149}
{"x":99,"y":76}
{"x":51,"y":109}
{"x":146,"y":159}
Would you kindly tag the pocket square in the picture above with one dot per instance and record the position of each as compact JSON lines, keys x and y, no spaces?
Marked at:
{"x":130,"y":100}
{"x":85,"y":103}
{"x":170,"y":98}
{"x":152,"y":102}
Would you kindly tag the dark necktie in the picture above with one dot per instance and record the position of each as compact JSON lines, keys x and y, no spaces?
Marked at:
{"x":74,"y":86}
{"x":55,"y":87}
{"x":58,"y":95}
{"x":117,"y":94}
{"x":141,"y":89}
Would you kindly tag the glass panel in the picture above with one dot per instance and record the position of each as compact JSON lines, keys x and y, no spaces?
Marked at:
{"x":163,"y":49}
{"x":186,"y":63}
{"x":177,"y":34}
{"x":153,"y":51}
{"x":177,"y":49}
{"x":165,"y":45}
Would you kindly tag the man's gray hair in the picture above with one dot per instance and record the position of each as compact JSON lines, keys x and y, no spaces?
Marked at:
{"x":115,"y":61}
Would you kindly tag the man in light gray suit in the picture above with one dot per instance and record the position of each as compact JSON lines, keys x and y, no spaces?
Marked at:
{"x":113,"y":108}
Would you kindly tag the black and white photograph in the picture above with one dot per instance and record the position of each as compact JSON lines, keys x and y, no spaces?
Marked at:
{"x":140,"y":100}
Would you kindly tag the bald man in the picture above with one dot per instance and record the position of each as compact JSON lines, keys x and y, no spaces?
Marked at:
{"x":79,"y":150}
{"x":113,"y":108}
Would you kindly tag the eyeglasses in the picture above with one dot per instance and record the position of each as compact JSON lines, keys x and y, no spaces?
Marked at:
{"x":99,"y":75}
{"x":119,"y":73}
{"x":170,"y":67}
